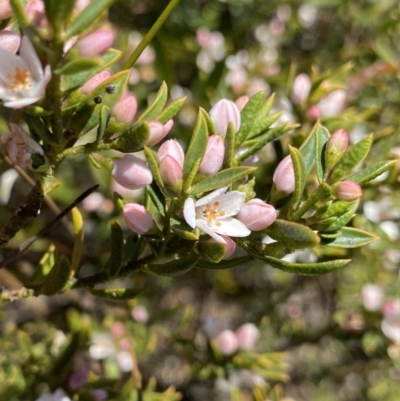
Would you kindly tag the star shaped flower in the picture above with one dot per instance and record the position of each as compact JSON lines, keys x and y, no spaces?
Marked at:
{"x":213,"y":214}
{"x":22,"y":78}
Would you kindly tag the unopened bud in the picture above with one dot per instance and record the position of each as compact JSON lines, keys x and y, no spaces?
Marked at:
{"x":241,"y":102}
{"x":223,"y":113}
{"x":301,"y":89}
{"x":137,"y":218}
{"x":257,"y":215}
{"x":214,"y":156}
{"x":247,"y":335}
{"x":170,"y":170}
{"x":283,"y":177}
{"x":226,"y":342}
{"x":158,"y":131}
{"x":5,"y":10}
{"x":372,"y":297}
{"x":10,"y":41}
{"x":314,"y":113}
{"x":95,"y":43}
{"x":230,"y":246}
{"x":335,"y":148}
{"x":131,"y":172}
{"x":333,"y":103}
{"x":96,"y":80}
{"x":348,"y":191}
{"x":172,"y":148}
{"x":125,"y":109}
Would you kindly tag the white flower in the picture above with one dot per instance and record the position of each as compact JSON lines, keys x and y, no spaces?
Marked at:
{"x":22,"y":78}
{"x":58,"y":395}
{"x":213,"y":214}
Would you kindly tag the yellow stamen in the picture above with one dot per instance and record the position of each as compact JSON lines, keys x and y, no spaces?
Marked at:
{"x":21,"y":79}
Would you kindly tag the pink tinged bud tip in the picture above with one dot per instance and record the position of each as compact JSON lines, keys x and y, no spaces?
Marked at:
{"x":95,"y":43}
{"x":283,"y":177}
{"x":125,"y":109}
{"x":96,"y":80}
{"x":214,"y":156}
{"x":10,"y":41}
{"x":230,"y":246}
{"x":5,"y":10}
{"x":227,"y":342}
{"x":257,"y":215}
{"x":137,"y":218}
{"x":172,"y":148}
{"x":158,"y":131}
{"x":241,"y":102}
{"x":224,"y":112}
{"x":348,"y":191}
{"x":170,"y":170}
{"x":247,"y":336}
{"x":301,"y":89}
{"x":131,"y":172}
{"x":335,"y":148}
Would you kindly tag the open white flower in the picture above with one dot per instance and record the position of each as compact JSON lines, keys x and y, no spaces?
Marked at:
{"x":213,"y":214}
{"x":22,"y":78}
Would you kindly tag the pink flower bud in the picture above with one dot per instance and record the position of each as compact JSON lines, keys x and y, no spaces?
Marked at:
{"x":10,"y":41}
{"x":131,"y":172}
{"x":226,"y":342}
{"x":158,"y":131}
{"x":140,"y":314}
{"x":348,"y":191}
{"x":95,"y":43}
{"x":314,"y":113}
{"x":137,"y":218}
{"x":333,"y":103}
{"x":117,"y":329}
{"x":301,"y":89}
{"x":335,"y":148}
{"x":372,"y":297}
{"x":172,"y":148}
{"x":283,"y":177}
{"x":257,"y":215}
{"x":247,"y":335}
{"x":214,"y":156}
{"x":20,"y":146}
{"x":170,"y":170}
{"x":35,"y":12}
{"x":96,"y":80}
{"x":230,"y":246}
{"x":224,"y":112}
{"x":241,"y":102}
{"x":5,"y":10}
{"x":125,"y":109}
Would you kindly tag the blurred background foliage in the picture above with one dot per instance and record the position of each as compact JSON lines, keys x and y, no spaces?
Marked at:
{"x":325,"y":338}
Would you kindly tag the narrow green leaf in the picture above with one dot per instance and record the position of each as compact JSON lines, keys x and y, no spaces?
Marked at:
{"x":154,"y":194}
{"x":172,"y":268}
{"x":58,"y":277}
{"x":351,"y":159}
{"x":351,"y":238}
{"x":299,"y":168}
{"x":211,"y":251}
{"x":152,"y":162}
{"x":171,"y":110}
{"x":292,"y":235}
{"x":197,"y":145}
{"x":104,"y":118}
{"x":155,"y":108}
{"x":45,"y":265}
{"x":307,"y":149}
{"x":114,"y":263}
{"x":222,"y":178}
{"x":321,"y":138}
{"x":371,"y":172}
{"x":223,"y":264}
{"x":184,"y":231}
{"x":116,"y":294}
{"x":133,"y":138}
{"x":89,"y":15}
{"x":230,"y":160}
{"x":187,"y":183}
{"x":248,"y":114}
{"x":78,"y":65}
{"x":210,"y":124}
{"x":58,"y":12}
{"x":339,"y":221}
{"x":330,"y":235}
{"x":262,"y":120}
{"x":336,"y":209}
{"x":77,"y":221}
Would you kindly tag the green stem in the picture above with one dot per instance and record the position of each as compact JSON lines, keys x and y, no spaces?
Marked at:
{"x":150,"y":35}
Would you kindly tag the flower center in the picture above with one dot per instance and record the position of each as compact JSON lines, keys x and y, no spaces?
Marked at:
{"x":212,"y":214}
{"x":21,"y":79}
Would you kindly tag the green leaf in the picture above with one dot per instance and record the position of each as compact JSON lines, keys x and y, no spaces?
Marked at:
{"x":58,"y":12}
{"x":89,"y":15}
{"x":114,"y":263}
{"x":299,"y":168}
{"x":335,"y":209}
{"x":248,"y":114}
{"x":45,"y":265}
{"x":58,"y":277}
{"x":152,"y":162}
{"x":371,"y":172}
{"x":351,"y":159}
{"x":262,"y":120}
{"x":210,"y":250}
{"x":87,"y":115}
{"x":184,"y":231}
{"x":76,"y":73}
{"x":292,"y":235}
{"x":351,"y":238}
{"x":339,"y":221}
{"x":132,"y":138}
{"x":77,"y":221}
{"x":171,"y":110}
{"x":197,"y":145}
{"x":321,"y":138}
{"x":172,"y":268}
{"x":104,"y":118}
{"x":223,"y":264}
{"x":116,"y":294}
{"x":221,"y":179}
{"x":154,"y":110}
{"x":154,"y":194}
{"x":230,"y":158}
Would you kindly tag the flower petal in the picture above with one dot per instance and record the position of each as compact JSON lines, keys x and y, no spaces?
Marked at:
{"x":28,"y":54}
{"x":231,"y":202}
{"x":211,"y":196}
{"x":189,"y":212}
{"x":205,"y":227}
{"x":232,"y":227}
